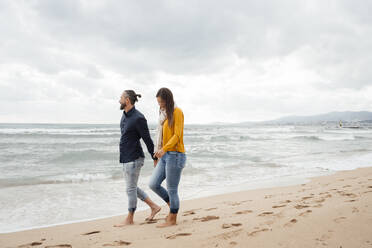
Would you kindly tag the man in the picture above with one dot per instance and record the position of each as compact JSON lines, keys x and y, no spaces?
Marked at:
{"x":133,"y":127}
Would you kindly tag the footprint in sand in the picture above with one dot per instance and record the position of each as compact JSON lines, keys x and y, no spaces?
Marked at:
{"x":298,"y":206}
{"x":325,"y":237}
{"x":225,"y":226}
{"x":352,"y":195}
{"x":59,"y":246}
{"x":235,"y":203}
{"x":265,"y":213}
{"x":90,"y":233}
{"x":306,"y":197}
{"x":306,"y":213}
{"x":153,"y":221}
{"x":355,"y":210}
{"x":346,"y":186}
{"x":118,"y":243}
{"x":244,"y":212}
{"x":279,"y":206}
{"x":328,"y":196}
{"x":187,"y":213}
{"x":267,"y":223}
{"x":178,"y":235}
{"x":320,"y":200}
{"x":324,"y":193}
{"x":36,"y":243}
{"x":286,"y":201}
{"x":210,"y":209}
{"x":290,"y":223}
{"x":207,"y":218}
{"x":339,"y":219}
{"x":229,"y":235}
{"x":254,"y":233}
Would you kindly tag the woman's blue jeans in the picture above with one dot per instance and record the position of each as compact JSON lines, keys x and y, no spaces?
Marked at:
{"x":169,"y":168}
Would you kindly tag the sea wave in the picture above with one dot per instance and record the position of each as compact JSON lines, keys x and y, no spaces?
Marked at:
{"x":59,"y":179}
{"x":78,"y":157}
{"x":58,"y":135}
{"x":324,"y":137}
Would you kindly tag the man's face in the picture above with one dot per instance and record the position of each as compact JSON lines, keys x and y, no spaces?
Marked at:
{"x":161,"y":103}
{"x":123,"y":101}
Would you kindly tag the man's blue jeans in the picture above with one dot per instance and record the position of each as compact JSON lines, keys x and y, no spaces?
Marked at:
{"x":131,"y":174}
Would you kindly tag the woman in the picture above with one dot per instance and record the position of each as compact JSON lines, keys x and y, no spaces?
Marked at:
{"x":170,"y":152}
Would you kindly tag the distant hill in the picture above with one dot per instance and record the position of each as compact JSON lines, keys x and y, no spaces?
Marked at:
{"x":348,"y":116}
{"x":344,"y":117}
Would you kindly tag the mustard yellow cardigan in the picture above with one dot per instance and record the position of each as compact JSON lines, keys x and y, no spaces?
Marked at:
{"x":173,"y":137}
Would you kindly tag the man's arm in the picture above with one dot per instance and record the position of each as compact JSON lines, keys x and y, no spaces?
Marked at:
{"x":143,"y":130}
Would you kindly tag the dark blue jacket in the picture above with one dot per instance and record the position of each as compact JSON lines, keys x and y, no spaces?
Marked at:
{"x":133,"y":126}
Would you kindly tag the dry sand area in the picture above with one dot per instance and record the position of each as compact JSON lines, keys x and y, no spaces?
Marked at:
{"x":329,"y":211}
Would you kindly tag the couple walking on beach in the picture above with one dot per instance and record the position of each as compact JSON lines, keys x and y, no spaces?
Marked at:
{"x":168,"y":153}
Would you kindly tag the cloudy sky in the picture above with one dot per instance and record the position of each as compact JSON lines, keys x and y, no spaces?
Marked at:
{"x":225,"y":61}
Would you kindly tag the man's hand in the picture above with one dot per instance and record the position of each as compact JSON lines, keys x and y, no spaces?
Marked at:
{"x":156,"y":162}
{"x":160,"y":153}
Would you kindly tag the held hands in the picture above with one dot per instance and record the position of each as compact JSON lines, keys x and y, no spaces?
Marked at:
{"x":159,"y":153}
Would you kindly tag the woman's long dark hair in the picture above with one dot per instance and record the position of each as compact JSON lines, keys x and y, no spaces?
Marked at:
{"x":166,"y":95}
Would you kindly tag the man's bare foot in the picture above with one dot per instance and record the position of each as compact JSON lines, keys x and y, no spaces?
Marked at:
{"x":171,"y":220}
{"x":166,"y":224}
{"x":154,"y":211}
{"x":126,"y":222}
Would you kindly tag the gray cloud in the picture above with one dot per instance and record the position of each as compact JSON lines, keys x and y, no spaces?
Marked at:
{"x":90,"y":49}
{"x":199,"y":37}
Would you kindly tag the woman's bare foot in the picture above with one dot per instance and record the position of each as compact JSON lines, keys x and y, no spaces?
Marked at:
{"x":154,"y":211}
{"x":171,"y":220}
{"x":128,"y":221}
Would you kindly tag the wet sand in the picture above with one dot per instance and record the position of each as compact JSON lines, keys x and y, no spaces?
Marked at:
{"x":329,"y":211}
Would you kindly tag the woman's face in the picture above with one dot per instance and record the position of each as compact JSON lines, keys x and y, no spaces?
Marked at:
{"x":161,"y":102}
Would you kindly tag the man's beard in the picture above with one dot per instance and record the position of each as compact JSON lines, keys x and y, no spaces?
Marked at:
{"x":122,"y":106}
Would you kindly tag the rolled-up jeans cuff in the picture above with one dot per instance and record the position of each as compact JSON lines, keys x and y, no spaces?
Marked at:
{"x":174,"y":210}
{"x":131,"y":210}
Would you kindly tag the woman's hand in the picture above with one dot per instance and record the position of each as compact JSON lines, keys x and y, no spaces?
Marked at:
{"x":159,"y":153}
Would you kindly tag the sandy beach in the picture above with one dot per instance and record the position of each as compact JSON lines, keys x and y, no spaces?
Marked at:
{"x":328,"y":211}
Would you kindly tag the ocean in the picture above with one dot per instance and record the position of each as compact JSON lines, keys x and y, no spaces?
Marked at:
{"x":62,"y":173}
